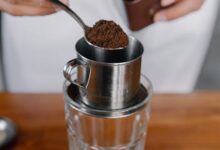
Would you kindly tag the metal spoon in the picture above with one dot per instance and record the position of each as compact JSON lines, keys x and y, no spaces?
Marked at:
{"x":71,"y":13}
{"x":7,"y":132}
{"x":76,"y":17}
{"x":81,"y":23}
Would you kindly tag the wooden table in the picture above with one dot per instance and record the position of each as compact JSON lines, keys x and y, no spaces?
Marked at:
{"x":178,"y":121}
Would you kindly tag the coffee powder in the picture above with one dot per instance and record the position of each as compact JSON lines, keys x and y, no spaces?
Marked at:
{"x":107,"y":34}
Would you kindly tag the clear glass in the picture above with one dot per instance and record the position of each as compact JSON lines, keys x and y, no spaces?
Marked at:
{"x":90,"y":132}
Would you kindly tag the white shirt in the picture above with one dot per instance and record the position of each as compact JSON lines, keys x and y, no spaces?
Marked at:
{"x":36,"y":48}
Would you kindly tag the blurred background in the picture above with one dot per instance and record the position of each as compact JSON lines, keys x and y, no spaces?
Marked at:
{"x":209,"y":78}
{"x":1,"y":61}
{"x":210,"y":74}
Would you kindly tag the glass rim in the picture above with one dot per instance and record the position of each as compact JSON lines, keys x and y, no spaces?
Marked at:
{"x":116,"y":113}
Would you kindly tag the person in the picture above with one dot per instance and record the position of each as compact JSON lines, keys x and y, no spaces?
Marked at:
{"x":36,"y":48}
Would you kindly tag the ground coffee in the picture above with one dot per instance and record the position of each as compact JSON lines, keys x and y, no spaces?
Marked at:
{"x":107,"y":34}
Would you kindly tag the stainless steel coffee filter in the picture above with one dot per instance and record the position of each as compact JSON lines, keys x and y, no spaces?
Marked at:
{"x":107,"y":79}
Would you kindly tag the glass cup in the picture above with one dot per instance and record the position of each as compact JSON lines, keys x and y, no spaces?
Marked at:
{"x":98,"y":129}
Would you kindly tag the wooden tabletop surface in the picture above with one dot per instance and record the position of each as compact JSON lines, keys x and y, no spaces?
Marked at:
{"x":178,"y":121}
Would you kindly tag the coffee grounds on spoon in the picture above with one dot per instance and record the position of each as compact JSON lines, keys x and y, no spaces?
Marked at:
{"x":107,"y":34}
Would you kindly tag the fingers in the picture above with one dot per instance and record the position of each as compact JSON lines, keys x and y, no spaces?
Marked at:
{"x":166,"y":3}
{"x":24,"y":10}
{"x":178,"y":8}
{"x":33,"y":3}
{"x":28,"y":7}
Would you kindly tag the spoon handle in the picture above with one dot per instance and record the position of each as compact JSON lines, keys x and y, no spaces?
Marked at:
{"x":71,"y":13}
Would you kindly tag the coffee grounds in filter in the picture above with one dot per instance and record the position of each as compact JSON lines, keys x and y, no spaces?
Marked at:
{"x":107,"y":34}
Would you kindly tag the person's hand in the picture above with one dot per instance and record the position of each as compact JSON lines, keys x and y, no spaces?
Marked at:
{"x":28,"y":7}
{"x":177,"y":8}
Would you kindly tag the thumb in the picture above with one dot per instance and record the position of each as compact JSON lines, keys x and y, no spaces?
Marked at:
{"x":177,"y":10}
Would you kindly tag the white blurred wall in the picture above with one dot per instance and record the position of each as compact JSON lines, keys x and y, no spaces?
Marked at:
{"x":1,"y":76}
{"x":1,"y":81}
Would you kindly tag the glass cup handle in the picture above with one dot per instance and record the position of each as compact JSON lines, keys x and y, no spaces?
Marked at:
{"x":68,"y":71}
